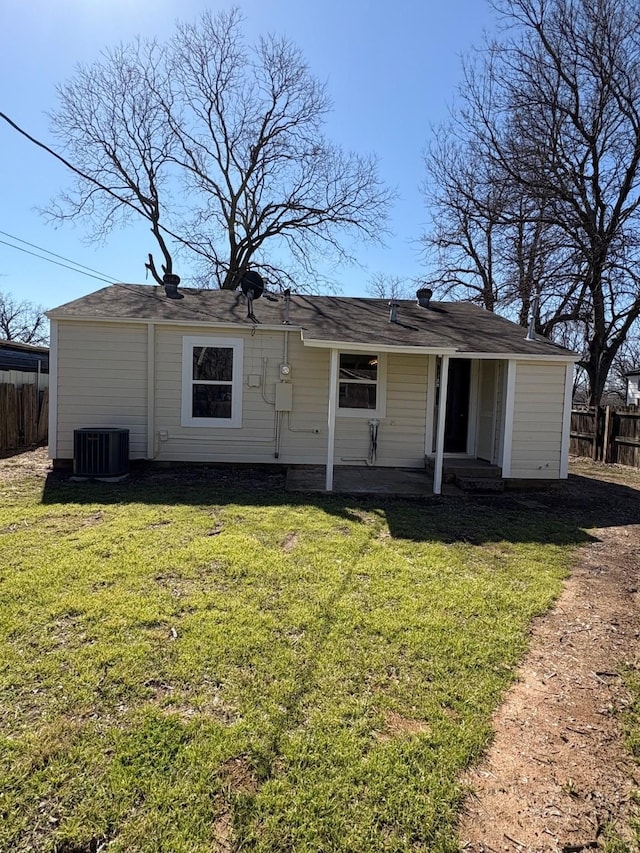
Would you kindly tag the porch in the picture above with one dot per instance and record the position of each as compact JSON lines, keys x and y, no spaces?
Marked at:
{"x":466,"y":474}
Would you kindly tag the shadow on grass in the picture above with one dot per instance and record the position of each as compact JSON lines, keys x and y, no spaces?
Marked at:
{"x":560,"y":516}
{"x":291,"y":706}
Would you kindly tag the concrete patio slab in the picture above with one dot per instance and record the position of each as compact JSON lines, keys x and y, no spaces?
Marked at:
{"x":391,"y":482}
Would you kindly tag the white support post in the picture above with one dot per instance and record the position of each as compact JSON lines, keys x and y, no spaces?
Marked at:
{"x":509,"y":409}
{"x":442,"y":413}
{"x":566,"y":422}
{"x":53,"y":390}
{"x":331,"y":418}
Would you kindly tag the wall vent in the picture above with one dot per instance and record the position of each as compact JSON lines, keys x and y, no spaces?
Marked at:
{"x":100,"y":452}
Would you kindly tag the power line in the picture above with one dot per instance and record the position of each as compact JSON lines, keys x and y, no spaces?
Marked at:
{"x":57,"y":263}
{"x":62,"y":258}
{"x":98,"y":183}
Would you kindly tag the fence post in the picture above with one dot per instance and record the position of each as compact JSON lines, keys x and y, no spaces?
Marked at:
{"x":596,"y":432}
{"x":606,"y":442}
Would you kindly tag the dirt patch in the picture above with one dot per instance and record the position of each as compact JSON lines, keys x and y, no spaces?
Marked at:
{"x":398,"y":726}
{"x":237,"y":778}
{"x":557,"y":776}
{"x":28,"y":463}
{"x":289,"y":542}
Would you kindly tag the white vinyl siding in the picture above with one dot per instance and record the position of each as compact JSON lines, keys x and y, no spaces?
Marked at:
{"x":401,"y":432}
{"x":123,"y":375}
{"x":102,"y":382}
{"x":256,"y":441}
{"x":537,"y":421}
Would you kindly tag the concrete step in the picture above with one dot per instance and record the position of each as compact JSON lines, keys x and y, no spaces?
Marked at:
{"x":474,"y":469}
{"x":479,"y":484}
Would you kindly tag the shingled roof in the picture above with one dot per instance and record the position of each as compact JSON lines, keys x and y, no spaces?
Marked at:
{"x":443,"y":326}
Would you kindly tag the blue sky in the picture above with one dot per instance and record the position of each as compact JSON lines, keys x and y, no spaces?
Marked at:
{"x":391,"y":69}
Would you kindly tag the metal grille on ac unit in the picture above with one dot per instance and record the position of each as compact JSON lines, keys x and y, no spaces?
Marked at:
{"x":100,"y":452}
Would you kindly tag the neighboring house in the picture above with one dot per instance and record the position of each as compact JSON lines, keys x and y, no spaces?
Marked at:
{"x":633,"y":387}
{"x":24,"y":364}
{"x":314,"y":380}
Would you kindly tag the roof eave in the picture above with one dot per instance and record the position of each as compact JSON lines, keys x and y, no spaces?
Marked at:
{"x":176,"y":321}
{"x":368,"y":346}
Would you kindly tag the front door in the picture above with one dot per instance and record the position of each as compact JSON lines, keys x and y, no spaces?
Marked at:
{"x":456,"y":425}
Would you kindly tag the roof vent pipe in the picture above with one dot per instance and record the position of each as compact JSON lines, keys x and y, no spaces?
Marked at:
{"x":535,"y":306}
{"x":393,"y":311}
{"x":171,"y":283}
{"x":287,"y":305}
{"x":423,"y":295}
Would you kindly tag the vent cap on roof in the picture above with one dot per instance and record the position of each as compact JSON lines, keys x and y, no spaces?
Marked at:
{"x":171,"y":283}
{"x":423,"y":295}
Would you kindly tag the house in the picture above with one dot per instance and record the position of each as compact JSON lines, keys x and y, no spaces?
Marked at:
{"x":24,"y":364}
{"x":309,"y":380}
{"x":633,"y":387}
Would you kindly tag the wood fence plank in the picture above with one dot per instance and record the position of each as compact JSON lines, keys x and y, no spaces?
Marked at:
{"x":12,"y":418}
{"x":4,"y":416}
{"x":43,"y":417}
{"x":29,"y":414}
{"x":23,"y":418}
{"x":611,"y":435}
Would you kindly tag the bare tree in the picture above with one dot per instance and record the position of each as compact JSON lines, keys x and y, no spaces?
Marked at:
{"x":220,"y":145}
{"x":553,"y":115}
{"x":466,"y":208}
{"x":114,"y":131}
{"x":386,"y":286}
{"x":22,"y":321}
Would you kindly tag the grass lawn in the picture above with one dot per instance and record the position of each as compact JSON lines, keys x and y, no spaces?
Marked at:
{"x":194,"y":666}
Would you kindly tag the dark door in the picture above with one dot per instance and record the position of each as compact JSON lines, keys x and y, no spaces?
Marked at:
{"x":456,"y":425}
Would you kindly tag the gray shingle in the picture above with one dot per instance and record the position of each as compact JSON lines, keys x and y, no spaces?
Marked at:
{"x":458,"y":326}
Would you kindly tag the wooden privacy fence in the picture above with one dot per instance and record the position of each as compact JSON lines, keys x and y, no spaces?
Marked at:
{"x":607,"y":434}
{"x":24,"y":414}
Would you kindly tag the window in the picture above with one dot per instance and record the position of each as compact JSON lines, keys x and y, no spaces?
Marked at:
{"x":360,"y":384}
{"x":211,"y":382}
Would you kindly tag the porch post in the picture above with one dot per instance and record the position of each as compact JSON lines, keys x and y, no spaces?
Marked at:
{"x":509,"y":409}
{"x":331,"y":418}
{"x":442,"y":413}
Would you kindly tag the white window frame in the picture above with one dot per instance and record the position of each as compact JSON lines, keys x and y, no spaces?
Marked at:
{"x":237,"y":345}
{"x":381,"y":389}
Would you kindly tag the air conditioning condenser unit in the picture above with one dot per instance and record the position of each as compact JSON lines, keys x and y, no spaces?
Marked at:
{"x":100,"y":452}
